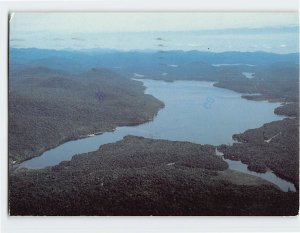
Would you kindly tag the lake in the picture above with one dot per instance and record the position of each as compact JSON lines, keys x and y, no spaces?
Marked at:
{"x":194,"y":111}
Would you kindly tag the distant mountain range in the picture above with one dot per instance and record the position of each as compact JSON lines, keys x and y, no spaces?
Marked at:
{"x":76,"y":62}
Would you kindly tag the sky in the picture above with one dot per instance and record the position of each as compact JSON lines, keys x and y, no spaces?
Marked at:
{"x":218,"y":32}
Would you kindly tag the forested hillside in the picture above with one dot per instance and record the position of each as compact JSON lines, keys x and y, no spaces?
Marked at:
{"x":55,"y":96}
{"x":47,"y":107}
{"x":138,"y":176}
{"x":273,"y":146}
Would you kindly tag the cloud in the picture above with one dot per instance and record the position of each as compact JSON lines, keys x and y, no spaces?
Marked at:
{"x":282,"y":45}
{"x":150,"y":21}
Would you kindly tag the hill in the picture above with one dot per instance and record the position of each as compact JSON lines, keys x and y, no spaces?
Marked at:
{"x":138,"y":176}
{"x":46,"y":110}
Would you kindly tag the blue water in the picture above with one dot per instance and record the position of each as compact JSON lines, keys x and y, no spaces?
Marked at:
{"x":194,"y":111}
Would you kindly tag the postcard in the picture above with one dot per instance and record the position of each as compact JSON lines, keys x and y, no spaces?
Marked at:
{"x":153,"y":114}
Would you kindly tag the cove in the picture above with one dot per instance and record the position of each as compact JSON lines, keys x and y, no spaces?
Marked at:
{"x":194,"y":111}
{"x":269,"y":175}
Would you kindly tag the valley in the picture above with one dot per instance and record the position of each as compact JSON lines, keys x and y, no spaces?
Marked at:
{"x":49,"y":105}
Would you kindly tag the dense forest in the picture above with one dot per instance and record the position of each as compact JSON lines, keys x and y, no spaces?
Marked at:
{"x":138,"y":176}
{"x":45,"y":110}
{"x":273,"y":146}
{"x":276,"y":82}
{"x":55,"y":96}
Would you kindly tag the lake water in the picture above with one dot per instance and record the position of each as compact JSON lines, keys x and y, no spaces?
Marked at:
{"x":248,"y":74}
{"x":194,"y":111}
{"x":269,"y":175}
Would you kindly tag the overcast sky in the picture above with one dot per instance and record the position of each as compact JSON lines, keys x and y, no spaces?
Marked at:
{"x":217,"y":32}
{"x":116,"y":22}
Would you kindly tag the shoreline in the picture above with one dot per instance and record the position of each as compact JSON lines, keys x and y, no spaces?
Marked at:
{"x":294,"y":189}
{"x":16,"y":166}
